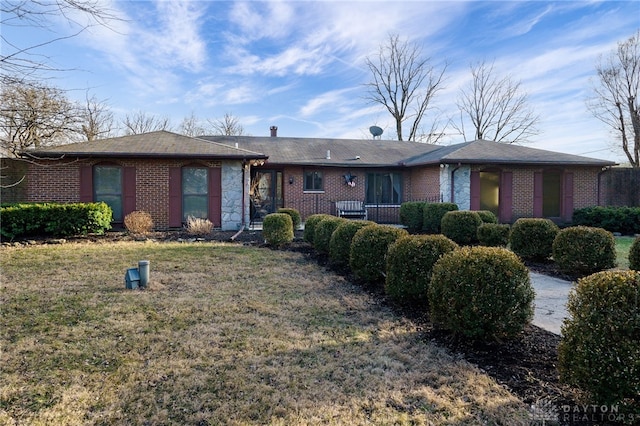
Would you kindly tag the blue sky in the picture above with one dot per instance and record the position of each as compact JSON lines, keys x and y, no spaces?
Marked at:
{"x":300,"y":65}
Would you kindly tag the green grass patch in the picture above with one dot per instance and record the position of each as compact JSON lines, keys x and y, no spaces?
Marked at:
{"x":224,"y":334}
{"x":623,"y":245}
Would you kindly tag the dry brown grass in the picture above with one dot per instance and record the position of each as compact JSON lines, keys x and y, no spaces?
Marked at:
{"x":138,"y":222}
{"x":198,"y":226}
{"x":223,"y":335}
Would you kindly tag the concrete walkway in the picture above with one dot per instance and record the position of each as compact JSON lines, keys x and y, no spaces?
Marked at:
{"x":551,"y":300}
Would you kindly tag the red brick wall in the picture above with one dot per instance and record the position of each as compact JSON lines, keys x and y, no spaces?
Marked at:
{"x":59,"y":181}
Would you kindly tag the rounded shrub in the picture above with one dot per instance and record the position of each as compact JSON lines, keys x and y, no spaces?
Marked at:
{"x":340,"y":244}
{"x":634,"y":255}
{"x":532,"y":238}
{"x":412,"y":215}
{"x":584,"y":250}
{"x":410,"y":260}
{"x":368,"y":253}
{"x":481,"y":293}
{"x":599,"y":351}
{"x":461,"y":226}
{"x":277,"y":229}
{"x":323,"y":231}
{"x":487,"y":216}
{"x":295,"y":216}
{"x":494,"y":234}
{"x":433,"y":213}
{"x":138,"y":222}
{"x":310,"y":226}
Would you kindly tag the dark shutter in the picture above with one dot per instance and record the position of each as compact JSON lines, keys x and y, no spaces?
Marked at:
{"x":537,"y":194}
{"x":567,"y":197}
{"x":215,"y":196}
{"x":175,"y":197}
{"x":128,"y":190}
{"x":86,"y":184}
{"x":506,"y":197}
{"x":475,"y":190}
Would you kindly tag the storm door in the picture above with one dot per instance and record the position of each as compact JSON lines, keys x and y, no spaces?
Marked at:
{"x":265,"y":193}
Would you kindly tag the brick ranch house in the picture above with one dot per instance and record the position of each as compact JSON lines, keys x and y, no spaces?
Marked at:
{"x":234,"y":180}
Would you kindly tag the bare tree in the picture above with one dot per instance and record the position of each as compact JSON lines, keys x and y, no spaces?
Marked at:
{"x":227,"y":126}
{"x":21,"y":62}
{"x":141,"y":122}
{"x":496,"y":107}
{"x":616,"y":96}
{"x":96,"y":119}
{"x":191,"y":126}
{"x":405,"y":83}
{"x":35,"y":116}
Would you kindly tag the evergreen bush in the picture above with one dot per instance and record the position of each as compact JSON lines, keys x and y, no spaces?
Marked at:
{"x":634,"y":255}
{"x":410,"y":261}
{"x":494,"y":234}
{"x":461,"y":226}
{"x":599,"y":351}
{"x":481,"y":293}
{"x":623,"y":219}
{"x":323,"y":231}
{"x":368,"y":253}
{"x":532,"y":238}
{"x":277,"y":229}
{"x":584,"y":250}
{"x":295,"y":216}
{"x":487,"y":216}
{"x":310,"y":226}
{"x":433,"y":213}
{"x":340,"y":244}
{"x":412,"y":215}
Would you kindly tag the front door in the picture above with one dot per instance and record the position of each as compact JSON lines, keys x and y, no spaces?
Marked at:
{"x":265,"y":193}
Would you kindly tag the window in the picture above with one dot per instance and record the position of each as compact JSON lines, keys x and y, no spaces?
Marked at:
{"x":490,"y":191}
{"x":313,"y":181}
{"x":107,"y":187}
{"x":384,"y":188}
{"x":195,"y":192}
{"x":551,"y":194}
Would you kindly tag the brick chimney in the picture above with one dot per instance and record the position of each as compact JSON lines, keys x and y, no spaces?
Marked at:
{"x":274,"y":131}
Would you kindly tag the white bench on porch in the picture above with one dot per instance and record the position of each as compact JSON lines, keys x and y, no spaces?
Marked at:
{"x":351,"y":209}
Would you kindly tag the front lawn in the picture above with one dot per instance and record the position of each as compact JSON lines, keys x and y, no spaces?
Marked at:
{"x":224,"y":334}
{"x":623,"y":245}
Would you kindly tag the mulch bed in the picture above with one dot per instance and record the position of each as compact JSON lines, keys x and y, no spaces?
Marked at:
{"x":526,"y":366}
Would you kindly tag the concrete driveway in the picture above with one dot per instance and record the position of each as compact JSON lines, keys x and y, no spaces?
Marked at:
{"x":551,"y":300}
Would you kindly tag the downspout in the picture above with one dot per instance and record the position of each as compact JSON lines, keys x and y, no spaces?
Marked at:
{"x":600,"y":173}
{"x":453,"y":172}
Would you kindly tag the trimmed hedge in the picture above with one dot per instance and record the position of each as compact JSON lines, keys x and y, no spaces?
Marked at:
{"x":55,"y":219}
{"x":310,"y":226}
{"x":481,"y":293}
{"x":368,"y":253}
{"x":295,"y":216}
{"x":532,"y":238}
{"x":461,"y":226}
{"x":433,"y":213}
{"x":323,"y":231}
{"x":410,"y":261}
{"x":277,"y":229}
{"x":600,"y":347}
{"x":625,"y":220}
{"x":634,"y":255}
{"x":584,"y":250}
{"x":340,"y":244}
{"x":487,"y":216}
{"x":412,"y":215}
{"x":494,"y":234}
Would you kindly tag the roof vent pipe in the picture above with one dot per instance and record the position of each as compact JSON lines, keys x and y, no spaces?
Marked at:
{"x":328,"y":154}
{"x":274,"y":131}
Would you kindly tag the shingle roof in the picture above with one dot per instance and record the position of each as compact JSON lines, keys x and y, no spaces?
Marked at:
{"x":316,"y":151}
{"x":342,"y":152}
{"x":490,"y":152}
{"x":153,"y":144}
